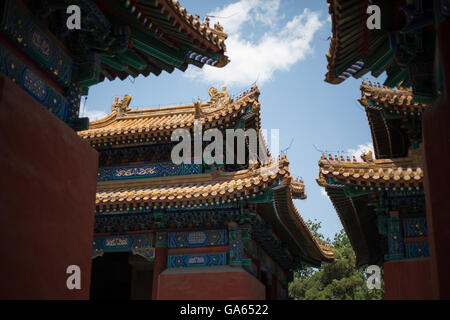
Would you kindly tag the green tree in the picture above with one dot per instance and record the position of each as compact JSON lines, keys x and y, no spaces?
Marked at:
{"x":339,"y":280}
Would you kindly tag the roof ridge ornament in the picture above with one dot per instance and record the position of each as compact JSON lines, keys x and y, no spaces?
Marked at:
{"x":198,"y":112}
{"x":218,"y":100}
{"x":215,"y":95}
{"x":218,"y":29}
{"x":121,"y":107}
{"x":367,"y":157}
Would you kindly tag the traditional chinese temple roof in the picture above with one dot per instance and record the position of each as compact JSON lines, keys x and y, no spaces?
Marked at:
{"x":394,"y":171}
{"x":121,"y":38}
{"x":267,"y":186}
{"x":126,"y":125}
{"x":349,"y":34}
{"x":372,"y":173}
{"x":394,"y":119}
{"x":397,"y":100}
{"x":208,"y":189}
{"x":403,"y":46}
{"x":352,"y":185}
{"x":216,"y":185}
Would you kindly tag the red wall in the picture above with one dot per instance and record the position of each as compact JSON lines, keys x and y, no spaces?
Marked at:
{"x":436,"y":151}
{"x":407,"y":280}
{"x":220,"y":285}
{"x":47,"y":196}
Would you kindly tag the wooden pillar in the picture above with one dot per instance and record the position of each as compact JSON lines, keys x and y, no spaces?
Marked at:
{"x":436,"y":142}
{"x":160,"y":262}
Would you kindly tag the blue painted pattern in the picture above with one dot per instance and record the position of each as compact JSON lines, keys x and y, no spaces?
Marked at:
{"x":29,"y":81}
{"x":395,"y":239}
{"x":417,"y":250}
{"x":415,"y":227}
{"x":236,"y":246}
{"x":197,"y":238}
{"x":352,"y":70}
{"x":197,"y":260}
{"x":148,"y":171}
{"x":140,"y":244}
{"x":19,"y":26}
{"x":201,"y":58}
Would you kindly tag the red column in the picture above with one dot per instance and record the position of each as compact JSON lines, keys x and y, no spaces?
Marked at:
{"x":436,"y":142}
{"x":160,"y":264}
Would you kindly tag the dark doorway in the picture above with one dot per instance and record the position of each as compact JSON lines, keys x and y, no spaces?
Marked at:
{"x":121,"y":276}
{"x":111,"y":277}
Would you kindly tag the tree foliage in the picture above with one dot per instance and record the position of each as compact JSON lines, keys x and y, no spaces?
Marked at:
{"x":339,"y":280}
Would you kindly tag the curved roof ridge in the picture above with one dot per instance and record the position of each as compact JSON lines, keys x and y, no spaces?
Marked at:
{"x":215,"y":99}
{"x":123,"y":119}
{"x":389,"y":97}
{"x":214,"y":35}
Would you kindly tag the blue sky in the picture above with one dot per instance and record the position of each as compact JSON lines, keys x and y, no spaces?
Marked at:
{"x":280,"y":44}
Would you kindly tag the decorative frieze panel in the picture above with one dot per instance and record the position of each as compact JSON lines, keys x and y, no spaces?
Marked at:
{"x":114,"y":223}
{"x":417,"y":250}
{"x":197,"y":260}
{"x":215,"y":217}
{"x":34,"y":85}
{"x":19,"y":26}
{"x":415,"y":227}
{"x":197,"y":238}
{"x":236,"y":246}
{"x":161,"y":239}
{"x":151,"y":153}
{"x":146,"y":219}
{"x":148,"y":171}
{"x":139,"y":244}
{"x":395,"y":238}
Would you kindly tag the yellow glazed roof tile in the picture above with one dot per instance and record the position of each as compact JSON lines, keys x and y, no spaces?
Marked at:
{"x":383,"y":172}
{"x":124,"y":121}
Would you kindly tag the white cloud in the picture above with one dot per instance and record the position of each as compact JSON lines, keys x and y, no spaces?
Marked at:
{"x":277,"y":49}
{"x":362,"y":148}
{"x":91,"y":114}
{"x":323,"y":192}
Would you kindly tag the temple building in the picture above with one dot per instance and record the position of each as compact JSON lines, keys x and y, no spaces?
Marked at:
{"x":409,"y":41}
{"x":380,"y":200}
{"x":51,"y":52}
{"x":403,"y":46}
{"x":193,"y":230}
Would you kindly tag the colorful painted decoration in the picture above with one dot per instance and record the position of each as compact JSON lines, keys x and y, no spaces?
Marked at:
{"x":140,"y":244}
{"x":19,"y":27}
{"x":415,"y":227}
{"x":417,"y":250}
{"x":395,"y":239}
{"x":236,"y":246}
{"x":197,"y":260}
{"x":33,"y":84}
{"x":148,"y":171}
{"x":197,"y":238}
